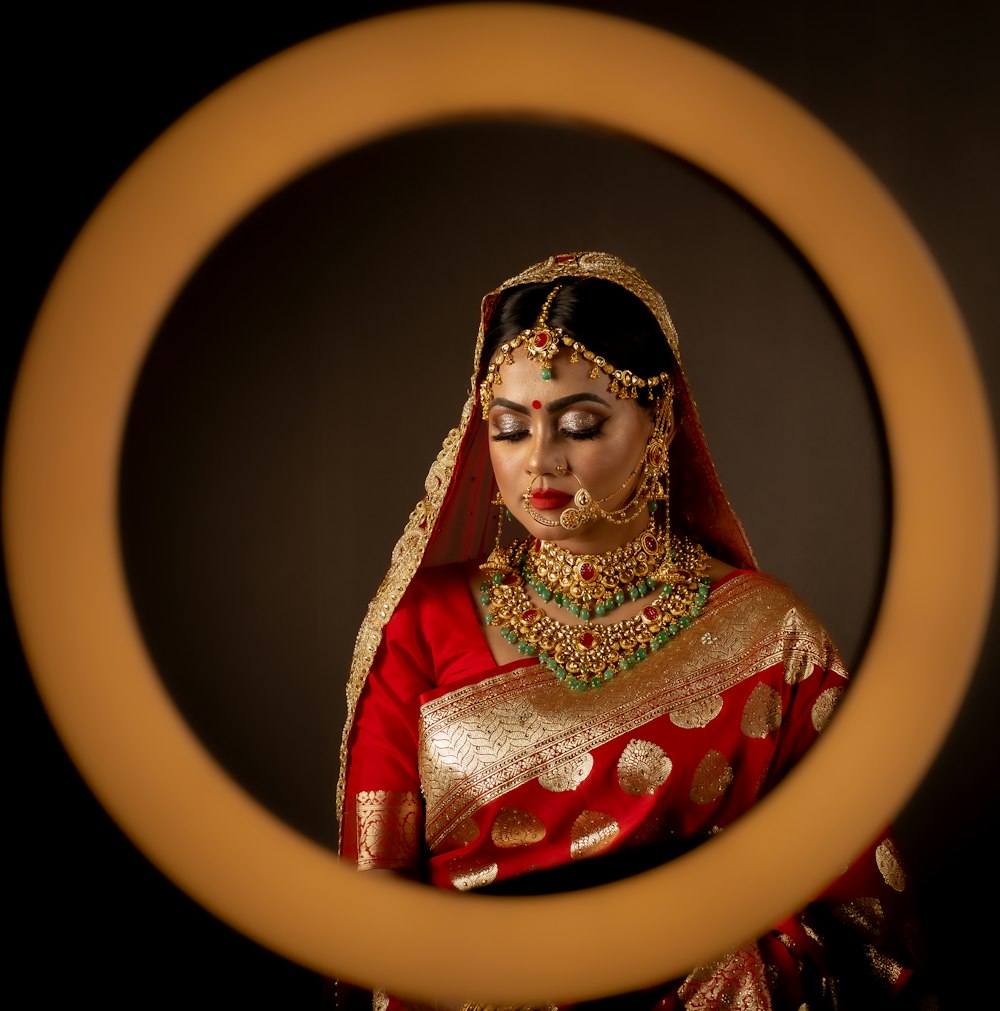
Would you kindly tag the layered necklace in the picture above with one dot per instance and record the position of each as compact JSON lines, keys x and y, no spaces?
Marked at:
{"x":587,"y":654}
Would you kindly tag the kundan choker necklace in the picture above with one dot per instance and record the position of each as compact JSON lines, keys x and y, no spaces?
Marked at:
{"x":588,"y":654}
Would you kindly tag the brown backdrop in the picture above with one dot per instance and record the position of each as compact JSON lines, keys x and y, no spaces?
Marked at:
{"x":266,"y":422}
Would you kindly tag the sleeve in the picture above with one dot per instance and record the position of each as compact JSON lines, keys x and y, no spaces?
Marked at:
{"x":382,"y":825}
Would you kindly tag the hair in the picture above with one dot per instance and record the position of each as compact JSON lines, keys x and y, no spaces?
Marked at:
{"x":607,"y":318}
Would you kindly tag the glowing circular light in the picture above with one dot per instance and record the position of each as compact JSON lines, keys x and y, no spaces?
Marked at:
{"x":242,"y":143}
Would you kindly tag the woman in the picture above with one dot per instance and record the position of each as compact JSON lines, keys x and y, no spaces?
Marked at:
{"x":613,"y":682}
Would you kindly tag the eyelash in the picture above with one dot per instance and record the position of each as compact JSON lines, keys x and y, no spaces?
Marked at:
{"x":578,"y":435}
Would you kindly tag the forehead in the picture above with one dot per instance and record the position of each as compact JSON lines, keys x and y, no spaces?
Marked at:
{"x":522,"y":381}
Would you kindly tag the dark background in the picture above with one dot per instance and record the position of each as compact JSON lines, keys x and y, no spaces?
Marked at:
{"x":911,"y":89}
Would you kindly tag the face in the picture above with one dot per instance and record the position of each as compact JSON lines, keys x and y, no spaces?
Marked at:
{"x":544,"y":434}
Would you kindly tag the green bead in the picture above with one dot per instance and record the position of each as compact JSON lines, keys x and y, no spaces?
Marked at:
{"x":600,"y":610}
{"x":633,"y":593}
{"x":546,"y":373}
{"x":596,"y":681}
{"x":619,"y":597}
{"x":497,"y":578}
{"x":623,"y":664}
{"x":609,"y":674}
{"x":560,"y":672}
{"x":685,"y":621}
{"x":674,"y":628}
{"x":545,"y":593}
{"x":655,"y":644}
{"x":652,"y":506}
{"x":641,"y":654}
{"x":585,"y":614}
{"x":489,"y":619}
{"x":484,"y":598}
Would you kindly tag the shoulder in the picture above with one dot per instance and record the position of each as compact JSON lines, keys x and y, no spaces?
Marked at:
{"x":772,"y":616}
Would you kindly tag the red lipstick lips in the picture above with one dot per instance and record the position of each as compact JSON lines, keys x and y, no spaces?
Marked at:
{"x":543,"y":499}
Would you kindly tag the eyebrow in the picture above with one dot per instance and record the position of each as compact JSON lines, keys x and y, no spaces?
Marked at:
{"x":556,"y":405}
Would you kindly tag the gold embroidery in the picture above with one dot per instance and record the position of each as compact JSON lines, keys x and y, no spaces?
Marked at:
{"x":591,"y":833}
{"x":865,"y":915}
{"x":560,"y":777}
{"x":642,"y":767}
{"x":461,"y":835}
{"x":380,"y":1000}
{"x":698,"y":714}
{"x":762,"y":712}
{"x":888,"y":862}
{"x":516,"y":828}
{"x":406,"y":557}
{"x":467,"y":874}
{"x":711,"y":778}
{"x":388,"y":829}
{"x":479,"y":742}
{"x":824,"y":707}
{"x":883,"y":966}
{"x":738,"y":981}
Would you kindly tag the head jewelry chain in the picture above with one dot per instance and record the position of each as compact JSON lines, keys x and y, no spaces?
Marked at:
{"x":544,"y":342}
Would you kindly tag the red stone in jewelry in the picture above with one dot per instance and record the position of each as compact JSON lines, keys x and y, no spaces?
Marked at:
{"x":536,"y":404}
{"x":541,"y":339}
{"x":587,"y":571}
{"x":649,"y":543}
{"x":650,"y":613}
{"x":586,"y":640}
{"x":511,"y":578}
{"x":530,"y":615}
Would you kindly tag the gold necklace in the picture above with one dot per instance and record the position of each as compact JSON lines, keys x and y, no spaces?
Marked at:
{"x":594,"y":585}
{"x":587,"y":655}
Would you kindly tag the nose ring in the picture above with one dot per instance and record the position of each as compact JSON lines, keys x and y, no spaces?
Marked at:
{"x":561,"y":470}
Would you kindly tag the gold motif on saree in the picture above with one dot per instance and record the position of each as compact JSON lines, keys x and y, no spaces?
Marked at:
{"x":698,"y":714}
{"x":711,"y":778}
{"x":516,"y":828}
{"x":642,"y":767}
{"x":825,"y":706}
{"x":592,"y":833}
{"x":737,"y":982}
{"x":481,"y":741}
{"x":466,"y":874}
{"x":865,"y":915}
{"x":388,"y":829}
{"x":464,"y":833}
{"x":889,"y":865}
{"x":563,"y":776}
{"x":762,"y":712}
{"x":883,"y":966}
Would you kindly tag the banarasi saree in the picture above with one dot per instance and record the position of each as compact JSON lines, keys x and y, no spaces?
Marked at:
{"x":502,"y":779}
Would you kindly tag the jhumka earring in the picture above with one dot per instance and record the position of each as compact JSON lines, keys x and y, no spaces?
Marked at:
{"x":497,"y":561}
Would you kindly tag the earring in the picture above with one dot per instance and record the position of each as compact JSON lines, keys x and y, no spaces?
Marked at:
{"x":497,"y":562}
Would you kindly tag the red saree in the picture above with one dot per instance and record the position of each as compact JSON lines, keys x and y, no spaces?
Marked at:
{"x":502,"y":779}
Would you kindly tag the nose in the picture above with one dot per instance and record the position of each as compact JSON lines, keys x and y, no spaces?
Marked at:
{"x":542,"y":456}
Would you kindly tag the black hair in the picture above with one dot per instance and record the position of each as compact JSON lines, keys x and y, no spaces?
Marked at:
{"x":605,"y":317}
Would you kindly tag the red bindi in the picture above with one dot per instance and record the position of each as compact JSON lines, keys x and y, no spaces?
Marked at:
{"x":536,"y":404}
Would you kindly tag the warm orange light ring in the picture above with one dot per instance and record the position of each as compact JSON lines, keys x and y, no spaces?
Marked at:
{"x":179,"y":199}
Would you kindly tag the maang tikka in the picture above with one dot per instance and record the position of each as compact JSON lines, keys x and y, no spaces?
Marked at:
{"x":543,"y":343}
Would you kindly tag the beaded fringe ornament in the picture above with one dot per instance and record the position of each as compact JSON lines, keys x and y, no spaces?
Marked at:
{"x":589,"y":654}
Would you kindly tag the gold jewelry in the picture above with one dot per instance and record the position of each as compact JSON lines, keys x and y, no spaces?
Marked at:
{"x":543,"y":344}
{"x":497,"y":560}
{"x":588,"y":655}
{"x":594,"y":585}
